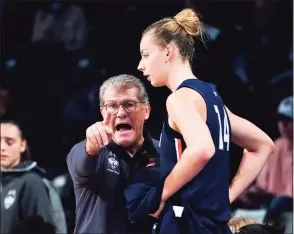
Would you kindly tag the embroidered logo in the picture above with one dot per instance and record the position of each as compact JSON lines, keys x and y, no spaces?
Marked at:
{"x":10,"y":199}
{"x":113,"y":163}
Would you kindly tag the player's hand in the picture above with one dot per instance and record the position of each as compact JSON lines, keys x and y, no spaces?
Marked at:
{"x":160,"y":209}
{"x":99,"y":134}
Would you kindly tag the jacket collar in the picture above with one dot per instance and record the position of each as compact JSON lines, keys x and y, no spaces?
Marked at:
{"x":142,"y":157}
{"x":24,"y":166}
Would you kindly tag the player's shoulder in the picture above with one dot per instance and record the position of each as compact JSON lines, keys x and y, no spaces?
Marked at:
{"x":32,"y":180}
{"x":184,"y":93}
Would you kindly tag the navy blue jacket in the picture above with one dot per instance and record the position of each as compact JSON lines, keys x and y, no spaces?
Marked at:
{"x":143,"y":197}
{"x":143,"y":193}
{"x":99,"y":184}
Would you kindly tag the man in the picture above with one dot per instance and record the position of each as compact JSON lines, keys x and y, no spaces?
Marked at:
{"x":101,"y":164}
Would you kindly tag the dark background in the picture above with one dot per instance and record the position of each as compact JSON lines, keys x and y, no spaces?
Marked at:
{"x":45,"y":79}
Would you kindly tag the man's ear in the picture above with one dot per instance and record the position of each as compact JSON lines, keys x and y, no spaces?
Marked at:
{"x":147,"y":111}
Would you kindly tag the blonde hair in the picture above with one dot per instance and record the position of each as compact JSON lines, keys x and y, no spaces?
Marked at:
{"x":124,"y":81}
{"x":236,"y":224}
{"x":181,"y":29}
{"x":189,"y":20}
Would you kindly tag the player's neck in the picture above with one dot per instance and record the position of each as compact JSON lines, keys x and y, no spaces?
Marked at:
{"x":178,"y":74}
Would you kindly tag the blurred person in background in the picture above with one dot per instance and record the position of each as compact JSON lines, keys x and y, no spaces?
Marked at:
{"x":274,"y":185}
{"x":64,"y":186}
{"x":236,"y":224}
{"x":249,"y":225}
{"x":23,"y":193}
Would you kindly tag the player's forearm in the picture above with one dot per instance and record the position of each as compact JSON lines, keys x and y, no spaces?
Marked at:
{"x":250,"y":167}
{"x":190,"y":164}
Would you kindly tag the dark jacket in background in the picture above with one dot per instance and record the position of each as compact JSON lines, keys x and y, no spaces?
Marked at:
{"x":143,"y":193}
{"x":99,"y":184}
{"x":23,"y":195}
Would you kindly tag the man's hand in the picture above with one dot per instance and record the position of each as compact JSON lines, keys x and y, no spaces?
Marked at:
{"x":99,"y":134}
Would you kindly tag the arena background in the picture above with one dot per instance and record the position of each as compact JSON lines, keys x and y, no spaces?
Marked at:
{"x":54,"y":56}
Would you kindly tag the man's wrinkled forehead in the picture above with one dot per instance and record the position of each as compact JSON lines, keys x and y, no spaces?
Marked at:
{"x":121,"y":94}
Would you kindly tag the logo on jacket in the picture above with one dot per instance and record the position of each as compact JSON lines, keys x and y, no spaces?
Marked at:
{"x":113,"y":163}
{"x":10,"y":198}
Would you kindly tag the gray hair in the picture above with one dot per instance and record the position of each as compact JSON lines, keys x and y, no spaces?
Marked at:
{"x":124,"y":81}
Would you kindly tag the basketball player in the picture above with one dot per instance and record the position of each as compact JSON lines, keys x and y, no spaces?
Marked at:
{"x":195,"y":139}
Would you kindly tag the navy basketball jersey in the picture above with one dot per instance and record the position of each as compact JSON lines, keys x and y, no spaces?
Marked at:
{"x":206,"y":195}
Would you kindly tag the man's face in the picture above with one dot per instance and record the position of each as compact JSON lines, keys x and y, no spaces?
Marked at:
{"x":130,"y":116}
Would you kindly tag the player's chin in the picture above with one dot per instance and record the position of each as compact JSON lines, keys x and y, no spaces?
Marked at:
{"x":156,"y":84}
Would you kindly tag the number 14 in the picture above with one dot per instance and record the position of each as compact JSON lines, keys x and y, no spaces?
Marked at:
{"x":224,"y":137}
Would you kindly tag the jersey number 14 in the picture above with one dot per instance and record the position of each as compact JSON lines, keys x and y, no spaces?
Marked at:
{"x":224,"y":135}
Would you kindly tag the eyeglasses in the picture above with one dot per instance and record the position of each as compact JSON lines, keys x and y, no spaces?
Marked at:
{"x":128,"y":106}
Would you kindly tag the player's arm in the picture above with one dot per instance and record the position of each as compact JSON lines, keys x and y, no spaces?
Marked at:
{"x":183,"y":111}
{"x":257,"y":147}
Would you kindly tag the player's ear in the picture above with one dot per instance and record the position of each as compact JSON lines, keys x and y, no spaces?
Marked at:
{"x":170,"y":51}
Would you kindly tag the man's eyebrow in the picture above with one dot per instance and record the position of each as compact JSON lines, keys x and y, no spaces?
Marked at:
{"x":122,"y":101}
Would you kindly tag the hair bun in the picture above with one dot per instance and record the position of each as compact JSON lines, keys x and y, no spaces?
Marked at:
{"x":189,"y":20}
